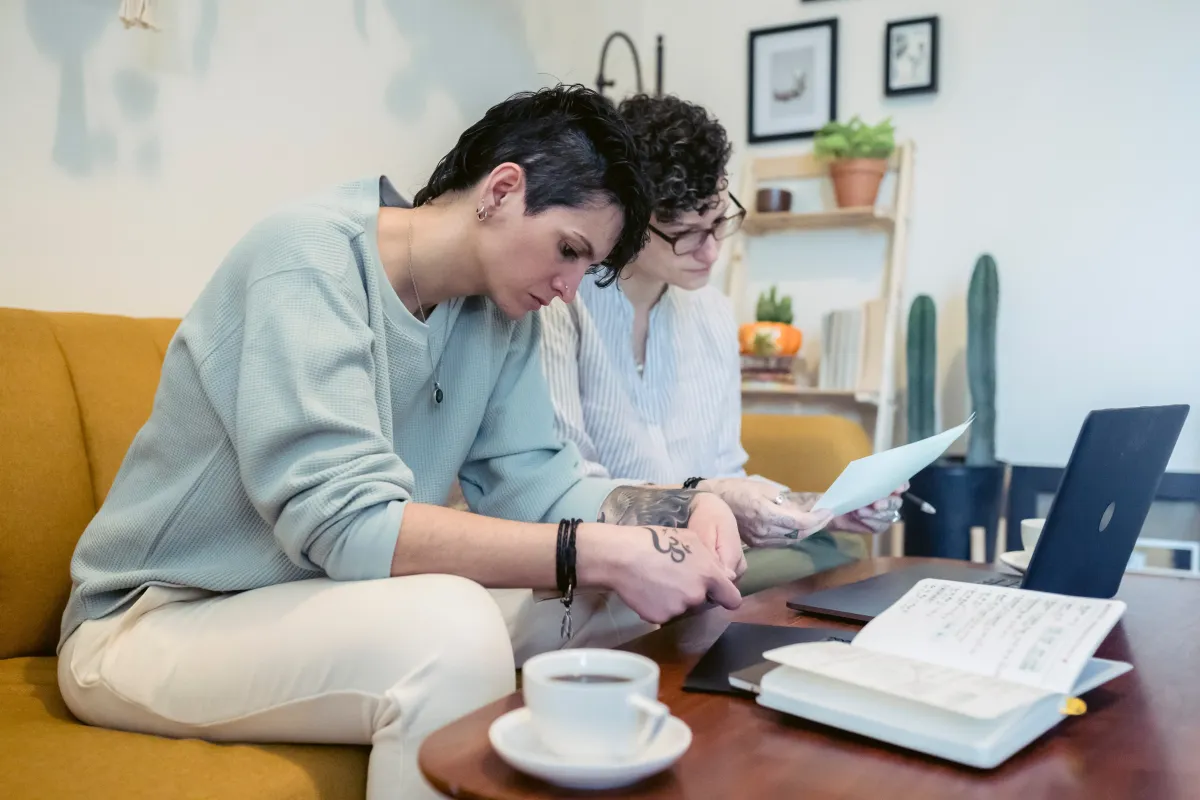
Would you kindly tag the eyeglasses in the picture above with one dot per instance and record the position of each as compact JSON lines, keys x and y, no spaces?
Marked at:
{"x":691,"y":241}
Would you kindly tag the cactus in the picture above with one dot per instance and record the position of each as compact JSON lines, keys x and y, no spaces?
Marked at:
{"x":774,"y":309}
{"x":922,"y":366}
{"x":983,"y":299}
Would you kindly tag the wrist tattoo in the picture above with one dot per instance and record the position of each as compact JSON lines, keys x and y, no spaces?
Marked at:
{"x":643,"y":505}
{"x":674,"y":548}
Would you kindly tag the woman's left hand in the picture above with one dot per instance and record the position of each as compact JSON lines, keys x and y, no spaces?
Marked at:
{"x":767,"y":514}
{"x":763,"y":521}
{"x":875,"y":518}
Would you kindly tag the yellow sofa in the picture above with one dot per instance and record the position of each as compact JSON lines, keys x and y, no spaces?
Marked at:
{"x":74,"y":389}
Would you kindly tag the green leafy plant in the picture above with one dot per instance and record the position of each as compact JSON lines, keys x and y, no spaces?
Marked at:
{"x":774,"y":309}
{"x":855,"y":139}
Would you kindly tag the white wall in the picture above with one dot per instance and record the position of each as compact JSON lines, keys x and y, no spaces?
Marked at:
{"x":130,"y":162}
{"x":1062,"y":141}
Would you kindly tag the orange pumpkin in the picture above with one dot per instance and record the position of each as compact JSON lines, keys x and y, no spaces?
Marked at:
{"x":769,"y":339}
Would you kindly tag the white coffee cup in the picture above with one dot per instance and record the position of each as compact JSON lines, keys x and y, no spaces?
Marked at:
{"x":1031,"y":529}
{"x":593,"y":704}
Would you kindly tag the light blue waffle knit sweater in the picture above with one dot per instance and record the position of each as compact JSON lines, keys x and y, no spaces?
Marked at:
{"x":294,"y":421}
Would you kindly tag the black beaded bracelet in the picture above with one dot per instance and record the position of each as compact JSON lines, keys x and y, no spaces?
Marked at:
{"x":692,"y":483}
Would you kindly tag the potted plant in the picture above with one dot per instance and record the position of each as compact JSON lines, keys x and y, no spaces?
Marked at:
{"x":771,"y":334}
{"x":966,"y":492}
{"x":858,"y":154}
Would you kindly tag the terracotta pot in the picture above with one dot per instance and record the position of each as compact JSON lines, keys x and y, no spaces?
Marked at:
{"x":856,"y":180}
{"x":769,"y":339}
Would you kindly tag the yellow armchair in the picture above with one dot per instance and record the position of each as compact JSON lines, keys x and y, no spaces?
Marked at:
{"x":805,"y":453}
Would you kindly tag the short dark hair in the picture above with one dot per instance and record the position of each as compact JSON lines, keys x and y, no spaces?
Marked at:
{"x":575,"y":151}
{"x":683,"y":150}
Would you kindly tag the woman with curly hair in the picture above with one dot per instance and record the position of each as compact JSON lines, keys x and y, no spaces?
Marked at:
{"x":646,"y":379}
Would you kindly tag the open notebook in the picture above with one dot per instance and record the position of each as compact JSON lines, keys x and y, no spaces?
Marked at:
{"x":967,"y":672}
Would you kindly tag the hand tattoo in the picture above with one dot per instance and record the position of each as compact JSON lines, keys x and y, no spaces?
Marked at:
{"x":676,"y":549}
{"x":805,"y":499}
{"x":645,"y":505}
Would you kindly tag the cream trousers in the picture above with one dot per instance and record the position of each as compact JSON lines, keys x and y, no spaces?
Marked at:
{"x":383,"y":662}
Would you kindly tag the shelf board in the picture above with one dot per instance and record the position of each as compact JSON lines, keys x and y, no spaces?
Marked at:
{"x":764,"y":389}
{"x":757,"y":224}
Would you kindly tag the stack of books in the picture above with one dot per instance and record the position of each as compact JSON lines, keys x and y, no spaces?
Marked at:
{"x":769,"y":369}
{"x":852,"y":348}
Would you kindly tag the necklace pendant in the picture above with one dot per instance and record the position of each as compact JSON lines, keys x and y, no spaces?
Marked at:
{"x":437,"y":393}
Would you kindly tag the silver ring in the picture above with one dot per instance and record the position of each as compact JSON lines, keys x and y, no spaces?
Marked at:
{"x":896,"y":517}
{"x":779,"y":499}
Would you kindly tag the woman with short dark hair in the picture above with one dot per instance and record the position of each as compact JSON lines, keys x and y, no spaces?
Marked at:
{"x":272,"y":563}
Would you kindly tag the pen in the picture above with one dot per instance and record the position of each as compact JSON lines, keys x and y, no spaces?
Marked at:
{"x":924,"y":506}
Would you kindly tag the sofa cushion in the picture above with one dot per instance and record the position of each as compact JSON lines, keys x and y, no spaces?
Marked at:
{"x":46,"y":493}
{"x":45,"y":752}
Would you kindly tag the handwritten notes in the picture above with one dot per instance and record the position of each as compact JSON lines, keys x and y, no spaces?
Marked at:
{"x":1032,"y":638}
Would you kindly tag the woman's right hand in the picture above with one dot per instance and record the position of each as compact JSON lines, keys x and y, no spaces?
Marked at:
{"x":659,"y":572}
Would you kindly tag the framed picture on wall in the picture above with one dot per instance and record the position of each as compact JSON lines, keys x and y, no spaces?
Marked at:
{"x":793,"y":80}
{"x":910,"y":58}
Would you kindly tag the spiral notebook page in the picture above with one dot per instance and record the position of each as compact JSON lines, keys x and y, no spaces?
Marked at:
{"x":873,"y":478}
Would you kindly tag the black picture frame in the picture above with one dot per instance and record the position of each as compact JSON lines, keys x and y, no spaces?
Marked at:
{"x":927,"y":87}
{"x":761,"y":35}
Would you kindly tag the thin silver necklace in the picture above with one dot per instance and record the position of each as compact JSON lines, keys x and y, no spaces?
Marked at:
{"x":438,"y":395}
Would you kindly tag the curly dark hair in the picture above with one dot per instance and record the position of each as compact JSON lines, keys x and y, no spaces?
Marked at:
{"x":684,"y":152}
{"x":575,"y":150}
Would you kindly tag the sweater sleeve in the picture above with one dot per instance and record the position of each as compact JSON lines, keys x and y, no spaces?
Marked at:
{"x":518,"y":467}
{"x":560,"y":361}
{"x":311,"y":451}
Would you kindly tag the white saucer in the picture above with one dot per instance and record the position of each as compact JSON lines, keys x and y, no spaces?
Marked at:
{"x":1017,"y":559}
{"x":514,"y":739}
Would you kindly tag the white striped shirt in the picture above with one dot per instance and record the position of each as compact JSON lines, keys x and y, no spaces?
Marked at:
{"x":680,"y":418}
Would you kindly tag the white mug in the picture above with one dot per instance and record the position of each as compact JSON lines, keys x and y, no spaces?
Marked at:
{"x":593,"y":704}
{"x":1031,"y":529}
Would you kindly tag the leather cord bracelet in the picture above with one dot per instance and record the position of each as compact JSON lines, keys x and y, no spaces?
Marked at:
{"x":560,"y":556}
{"x":564,"y":569}
{"x":692,"y":483}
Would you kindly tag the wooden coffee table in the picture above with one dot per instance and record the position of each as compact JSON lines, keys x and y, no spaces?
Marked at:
{"x":1140,"y":738}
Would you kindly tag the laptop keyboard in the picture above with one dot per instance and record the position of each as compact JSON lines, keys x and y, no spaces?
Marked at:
{"x":1002,"y":580}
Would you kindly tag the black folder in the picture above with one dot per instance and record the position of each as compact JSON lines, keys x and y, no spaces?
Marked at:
{"x":742,"y":645}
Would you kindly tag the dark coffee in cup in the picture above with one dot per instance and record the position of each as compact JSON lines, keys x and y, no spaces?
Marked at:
{"x":589,"y":678}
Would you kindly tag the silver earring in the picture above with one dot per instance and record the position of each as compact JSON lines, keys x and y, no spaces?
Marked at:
{"x":481,"y":213}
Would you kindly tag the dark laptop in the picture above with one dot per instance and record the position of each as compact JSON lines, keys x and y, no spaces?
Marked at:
{"x":1090,"y":532}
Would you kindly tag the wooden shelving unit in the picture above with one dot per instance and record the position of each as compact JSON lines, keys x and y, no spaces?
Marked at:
{"x":784,"y":222}
{"x":889,"y":219}
{"x":763,"y":389}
